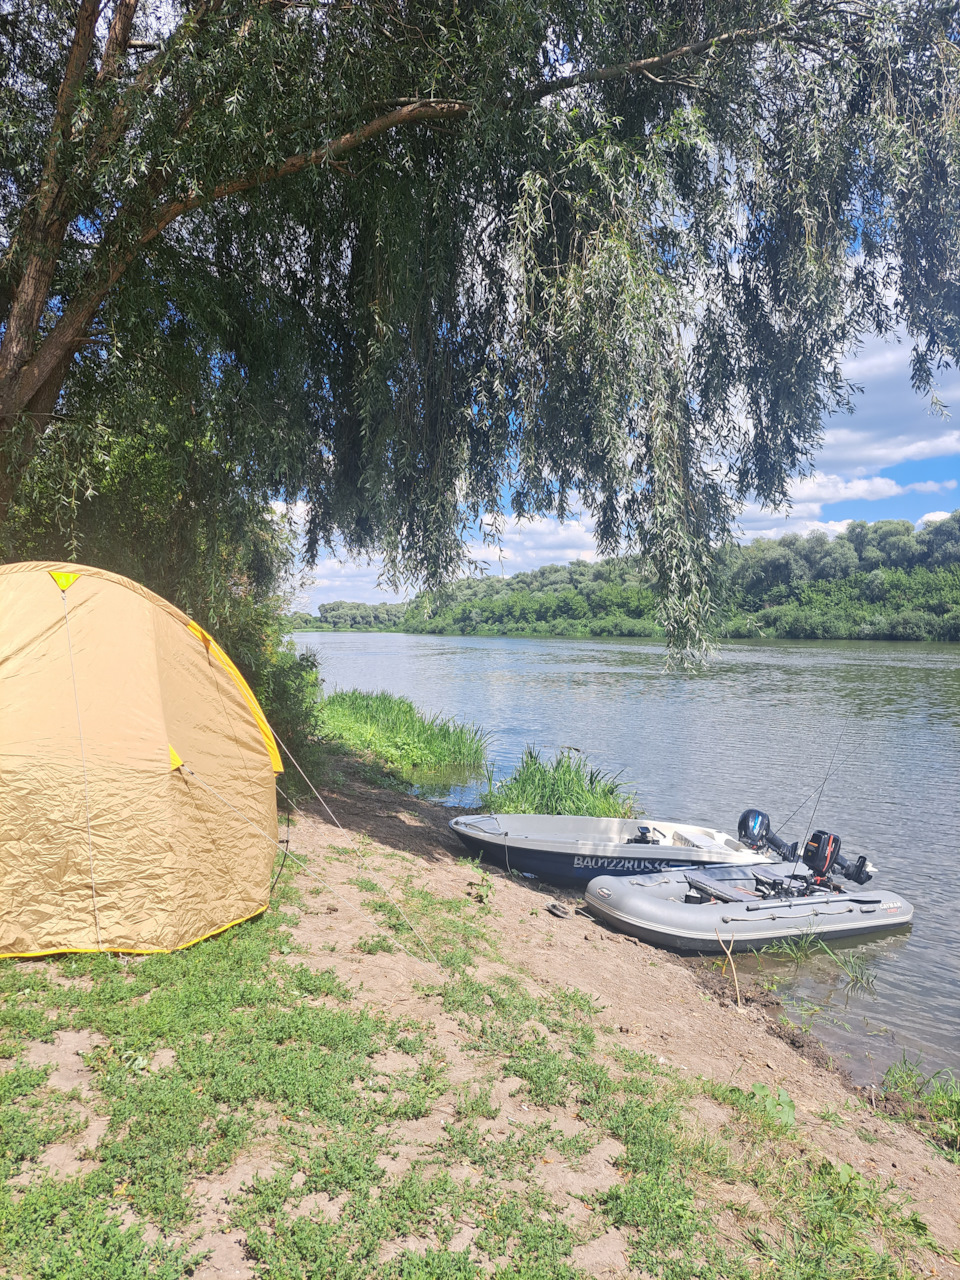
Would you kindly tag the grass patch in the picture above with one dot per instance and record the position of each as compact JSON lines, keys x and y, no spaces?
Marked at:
{"x":270,"y":1052}
{"x":396,"y":733}
{"x":567,"y":786}
{"x":426,"y":924}
{"x":931,"y":1103}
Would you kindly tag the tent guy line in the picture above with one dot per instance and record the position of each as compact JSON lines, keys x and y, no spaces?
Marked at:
{"x":296,"y":765}
{"x":359,"y":852}
{"x":185,"y":768}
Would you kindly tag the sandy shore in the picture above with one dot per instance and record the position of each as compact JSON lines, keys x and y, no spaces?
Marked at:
{"x":555,"y":1100}
{"x":650,"y":1001}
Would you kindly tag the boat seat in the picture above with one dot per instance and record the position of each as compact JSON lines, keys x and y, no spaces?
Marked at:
{"x":774,"y":880}
{"x":715,"y":889}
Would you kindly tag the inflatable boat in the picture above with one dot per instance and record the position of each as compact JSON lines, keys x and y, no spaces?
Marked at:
{"x":741,"y":908}
{"x":572,"y":851}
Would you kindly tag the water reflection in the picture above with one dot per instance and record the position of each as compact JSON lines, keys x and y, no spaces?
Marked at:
{"x":860,"y":737}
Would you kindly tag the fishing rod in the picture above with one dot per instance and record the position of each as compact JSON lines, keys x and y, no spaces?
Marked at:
{"x":817,"y":791}
{"x":801,"y":844}
{"x":821,"y":853}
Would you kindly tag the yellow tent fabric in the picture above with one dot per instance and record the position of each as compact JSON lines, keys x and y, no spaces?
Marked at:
{"x":137,"y":798}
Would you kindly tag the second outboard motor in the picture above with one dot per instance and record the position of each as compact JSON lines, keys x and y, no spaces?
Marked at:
{"x":754,"y":831}
{"x":822,"y":855}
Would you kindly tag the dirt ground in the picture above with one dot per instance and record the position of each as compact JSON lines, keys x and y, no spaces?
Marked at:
{"x":659,"y":1004}
{"x":675,"y":1011}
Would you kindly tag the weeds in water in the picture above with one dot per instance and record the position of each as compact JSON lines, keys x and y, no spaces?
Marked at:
{"x":566,"y":786}
{"x":796,"y":949}
{"x":860,"y":977}
{"x":396,"y":732}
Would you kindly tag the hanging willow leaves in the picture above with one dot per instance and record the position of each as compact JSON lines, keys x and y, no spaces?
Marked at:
{"x":432,"y":262}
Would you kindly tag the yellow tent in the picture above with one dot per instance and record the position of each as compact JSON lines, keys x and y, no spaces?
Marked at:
{"x":137,"y":799}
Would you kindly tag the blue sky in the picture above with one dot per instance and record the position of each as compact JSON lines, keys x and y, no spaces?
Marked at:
{"x":890,"y":460}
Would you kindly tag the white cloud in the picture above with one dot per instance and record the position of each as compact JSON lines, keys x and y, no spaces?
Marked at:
{"x":524,"y":545}
{"x":812,"y":493}
{"x":932,"y":517}
{"x":531,"y":543}
{"x":890,"y":422}
{"x":342,"y":580}
{"x":772,"y":525}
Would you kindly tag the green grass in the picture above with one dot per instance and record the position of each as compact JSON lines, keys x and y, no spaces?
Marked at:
{"x":931,"y":1103}
{"x":567,"y":785}
{"x":272,"y":1055}
{"x":397,"y":734}
{"x":796,"y":949}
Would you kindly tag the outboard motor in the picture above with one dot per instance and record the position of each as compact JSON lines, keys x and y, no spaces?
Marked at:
{"x":754,"y":831}
{"x":822,"y":855}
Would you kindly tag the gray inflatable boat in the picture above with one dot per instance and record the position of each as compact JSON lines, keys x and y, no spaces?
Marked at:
{"x":742,"y":908}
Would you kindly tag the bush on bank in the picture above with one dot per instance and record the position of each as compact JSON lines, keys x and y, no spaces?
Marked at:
{"x":567,"y":785}
{"x":398,"y":734}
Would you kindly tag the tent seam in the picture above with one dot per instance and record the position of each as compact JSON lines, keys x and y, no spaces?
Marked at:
{"x":83,"y":761}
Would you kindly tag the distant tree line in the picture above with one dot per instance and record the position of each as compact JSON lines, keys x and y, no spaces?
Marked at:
{"x":880,"y":581}
{"x":347,"y":615}
{"x":883,"y":581}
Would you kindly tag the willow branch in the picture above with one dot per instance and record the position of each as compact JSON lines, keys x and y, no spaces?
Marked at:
{"x":645,"y":66}
{"x":118,"y":39}
{"x":75,"y":320}
{"x":332,"y":151}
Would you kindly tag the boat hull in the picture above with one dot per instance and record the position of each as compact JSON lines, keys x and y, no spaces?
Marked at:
{"x":644,"y":909}
{"x":573,"y":851}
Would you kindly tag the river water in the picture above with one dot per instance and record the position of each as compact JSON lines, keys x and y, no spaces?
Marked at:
{"x":761,"y":725}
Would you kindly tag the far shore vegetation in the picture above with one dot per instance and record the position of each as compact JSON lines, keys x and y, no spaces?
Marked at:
{"x":880,"y":581}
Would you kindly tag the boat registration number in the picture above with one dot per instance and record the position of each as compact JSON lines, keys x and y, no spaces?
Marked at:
{"x":619,"y":864}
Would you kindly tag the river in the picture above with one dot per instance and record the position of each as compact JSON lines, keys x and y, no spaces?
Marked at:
{"x":762,"y":724}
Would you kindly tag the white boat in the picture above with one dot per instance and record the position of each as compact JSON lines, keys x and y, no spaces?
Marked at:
{"x":572,"y":851}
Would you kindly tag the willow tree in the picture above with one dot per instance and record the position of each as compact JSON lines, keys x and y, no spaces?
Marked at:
{"x":465,"y":256}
